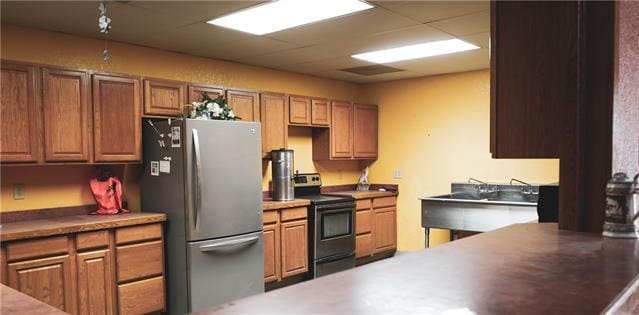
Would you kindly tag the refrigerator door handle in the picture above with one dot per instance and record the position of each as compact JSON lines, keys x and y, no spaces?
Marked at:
{"x":229,"y":244}
{"x":198,"y":177}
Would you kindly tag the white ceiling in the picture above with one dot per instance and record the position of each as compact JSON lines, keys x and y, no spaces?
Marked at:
{"x":320,"y":49}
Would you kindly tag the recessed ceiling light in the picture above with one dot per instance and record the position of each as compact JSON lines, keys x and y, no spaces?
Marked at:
{"x":283,"y":14}
{"x":416,"y":51}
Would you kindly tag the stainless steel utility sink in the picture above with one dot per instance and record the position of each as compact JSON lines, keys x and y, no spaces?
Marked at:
{"x":479,"y":209}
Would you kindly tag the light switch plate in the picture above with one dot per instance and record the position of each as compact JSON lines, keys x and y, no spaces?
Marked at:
{"x":18,"y":191}
{"x":397,"y":174}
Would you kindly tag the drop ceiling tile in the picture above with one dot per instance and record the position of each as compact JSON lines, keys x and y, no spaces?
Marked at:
{"x":325,"y":65}
{"x":430,"y":11}
{"x":346,"y":27}
{"x":238,"y":50}
{"x":346,"y":76}
{"x":192,"y":37}
{"x":195,"y":11}
{"x":457,"y":62}
{"x":465,"y":25}
{"x":481,"y":39}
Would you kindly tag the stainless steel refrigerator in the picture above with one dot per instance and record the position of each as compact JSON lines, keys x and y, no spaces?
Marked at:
{"x":207,"y":177}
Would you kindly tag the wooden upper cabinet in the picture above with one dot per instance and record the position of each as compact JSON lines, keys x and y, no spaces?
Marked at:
{"x":195,"y":92}
{"x":320,"y":112}
{"x":341,"y":143}
{"x":65,"y":100}
{"x":163,"y":97}
{"x":20,"y":114}
{"x":365,"y":121}
{"x":533,"y":71}
{"x":274,"y":117}
{"x":117,"y":116}
{"x":299,"y":110}
{"x":245,"y":104}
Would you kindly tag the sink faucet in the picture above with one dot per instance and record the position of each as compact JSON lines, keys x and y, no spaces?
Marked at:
{"x":479,"y":184}
{"x":529,"y":186}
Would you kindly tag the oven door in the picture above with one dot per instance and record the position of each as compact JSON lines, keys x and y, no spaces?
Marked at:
{"x":334,"y":229}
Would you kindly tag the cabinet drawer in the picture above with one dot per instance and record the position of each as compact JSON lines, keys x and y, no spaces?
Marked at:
{"x":139,"y":260}
{"x":271,"y":216}
{"x":141,"y":297}
{"x":364,"y":221}
{"x":48,"y":246}
{"x":138,"y":233}
{"x":294,"y":213}
{"x":363,"y":204}
{"x":384,"y":202}
{"x":94,"y":239}
{"x":364,"y":245}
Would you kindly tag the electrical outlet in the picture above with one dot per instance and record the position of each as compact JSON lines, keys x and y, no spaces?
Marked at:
{"x":18,"y":191}
{"x":397,"y":174}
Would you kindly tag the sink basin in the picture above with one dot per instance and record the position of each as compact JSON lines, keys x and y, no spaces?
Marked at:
{"x":514,"y":197}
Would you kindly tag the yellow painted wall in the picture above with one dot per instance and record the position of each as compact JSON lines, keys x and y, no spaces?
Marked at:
{"x":436,"y":130}
{"x":48,"y":187}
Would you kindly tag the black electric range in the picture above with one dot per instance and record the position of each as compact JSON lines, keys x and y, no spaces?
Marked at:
{"x":331,"y":222}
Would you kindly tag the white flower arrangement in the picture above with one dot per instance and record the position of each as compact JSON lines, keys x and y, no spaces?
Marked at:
{"x":215,"y":109}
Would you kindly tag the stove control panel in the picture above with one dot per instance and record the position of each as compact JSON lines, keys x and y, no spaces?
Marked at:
{"x":307,"y":180}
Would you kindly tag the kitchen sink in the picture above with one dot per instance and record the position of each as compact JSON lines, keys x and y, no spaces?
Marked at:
{"x":479,"y":208}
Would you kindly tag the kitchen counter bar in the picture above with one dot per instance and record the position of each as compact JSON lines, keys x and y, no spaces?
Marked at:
{"x":520,"y":269}
{"x":12,"y":231}
{"x":14,"y":302}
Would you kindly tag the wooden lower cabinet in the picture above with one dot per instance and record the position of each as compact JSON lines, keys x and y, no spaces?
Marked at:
{"x":294,"y":248}
{"x":271,"y":252}
{"x":385,"y":226}
{"x":95,"y":288}
{"x":285,"y":243}
{"x":376,"y":226}
{"x":88,"y":273}
{"x":49,"y":280}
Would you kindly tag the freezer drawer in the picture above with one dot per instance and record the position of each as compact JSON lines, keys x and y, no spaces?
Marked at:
{"x":225,"y":269}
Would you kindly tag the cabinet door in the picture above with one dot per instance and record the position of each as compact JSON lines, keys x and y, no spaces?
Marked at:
{"x":533,"y":76}
{"x":245,"y":105}
{"x":19,"y":117}
{"x":117,"y":117}
{"x":294,"y":248}
{"x":320,"y":112}
{"x":163,"y":98}
{"x":274,"y":110}
{"x":195,"y":92}
{"x":384,"y":230}
{"x":48,"y":280}
{"x":364,"y":245}
{"x":66,"y":115}
{"x":271,"y":252}
{"x":299,"y":110}
{"x":341,"y":129}
{"x":95,"y":283}
{"x":364,"y":131}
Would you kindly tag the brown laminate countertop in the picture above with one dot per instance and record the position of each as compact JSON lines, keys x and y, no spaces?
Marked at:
{"x":71,"y":224}
{"x":274,"y":205}
{"x":520,"y":269}
{"x":14,"y":302}
{"x":358,"y":194}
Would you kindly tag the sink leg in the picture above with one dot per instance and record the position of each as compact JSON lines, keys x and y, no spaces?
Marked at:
{"x":453,"y":235}
{"x":426,"y":240}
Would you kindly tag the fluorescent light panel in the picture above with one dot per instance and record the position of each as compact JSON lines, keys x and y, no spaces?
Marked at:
{"x":416,"y":51}
{"x":283,"y":14}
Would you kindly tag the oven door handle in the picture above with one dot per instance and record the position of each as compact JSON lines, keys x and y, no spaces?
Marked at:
{"x":339,"y":206}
